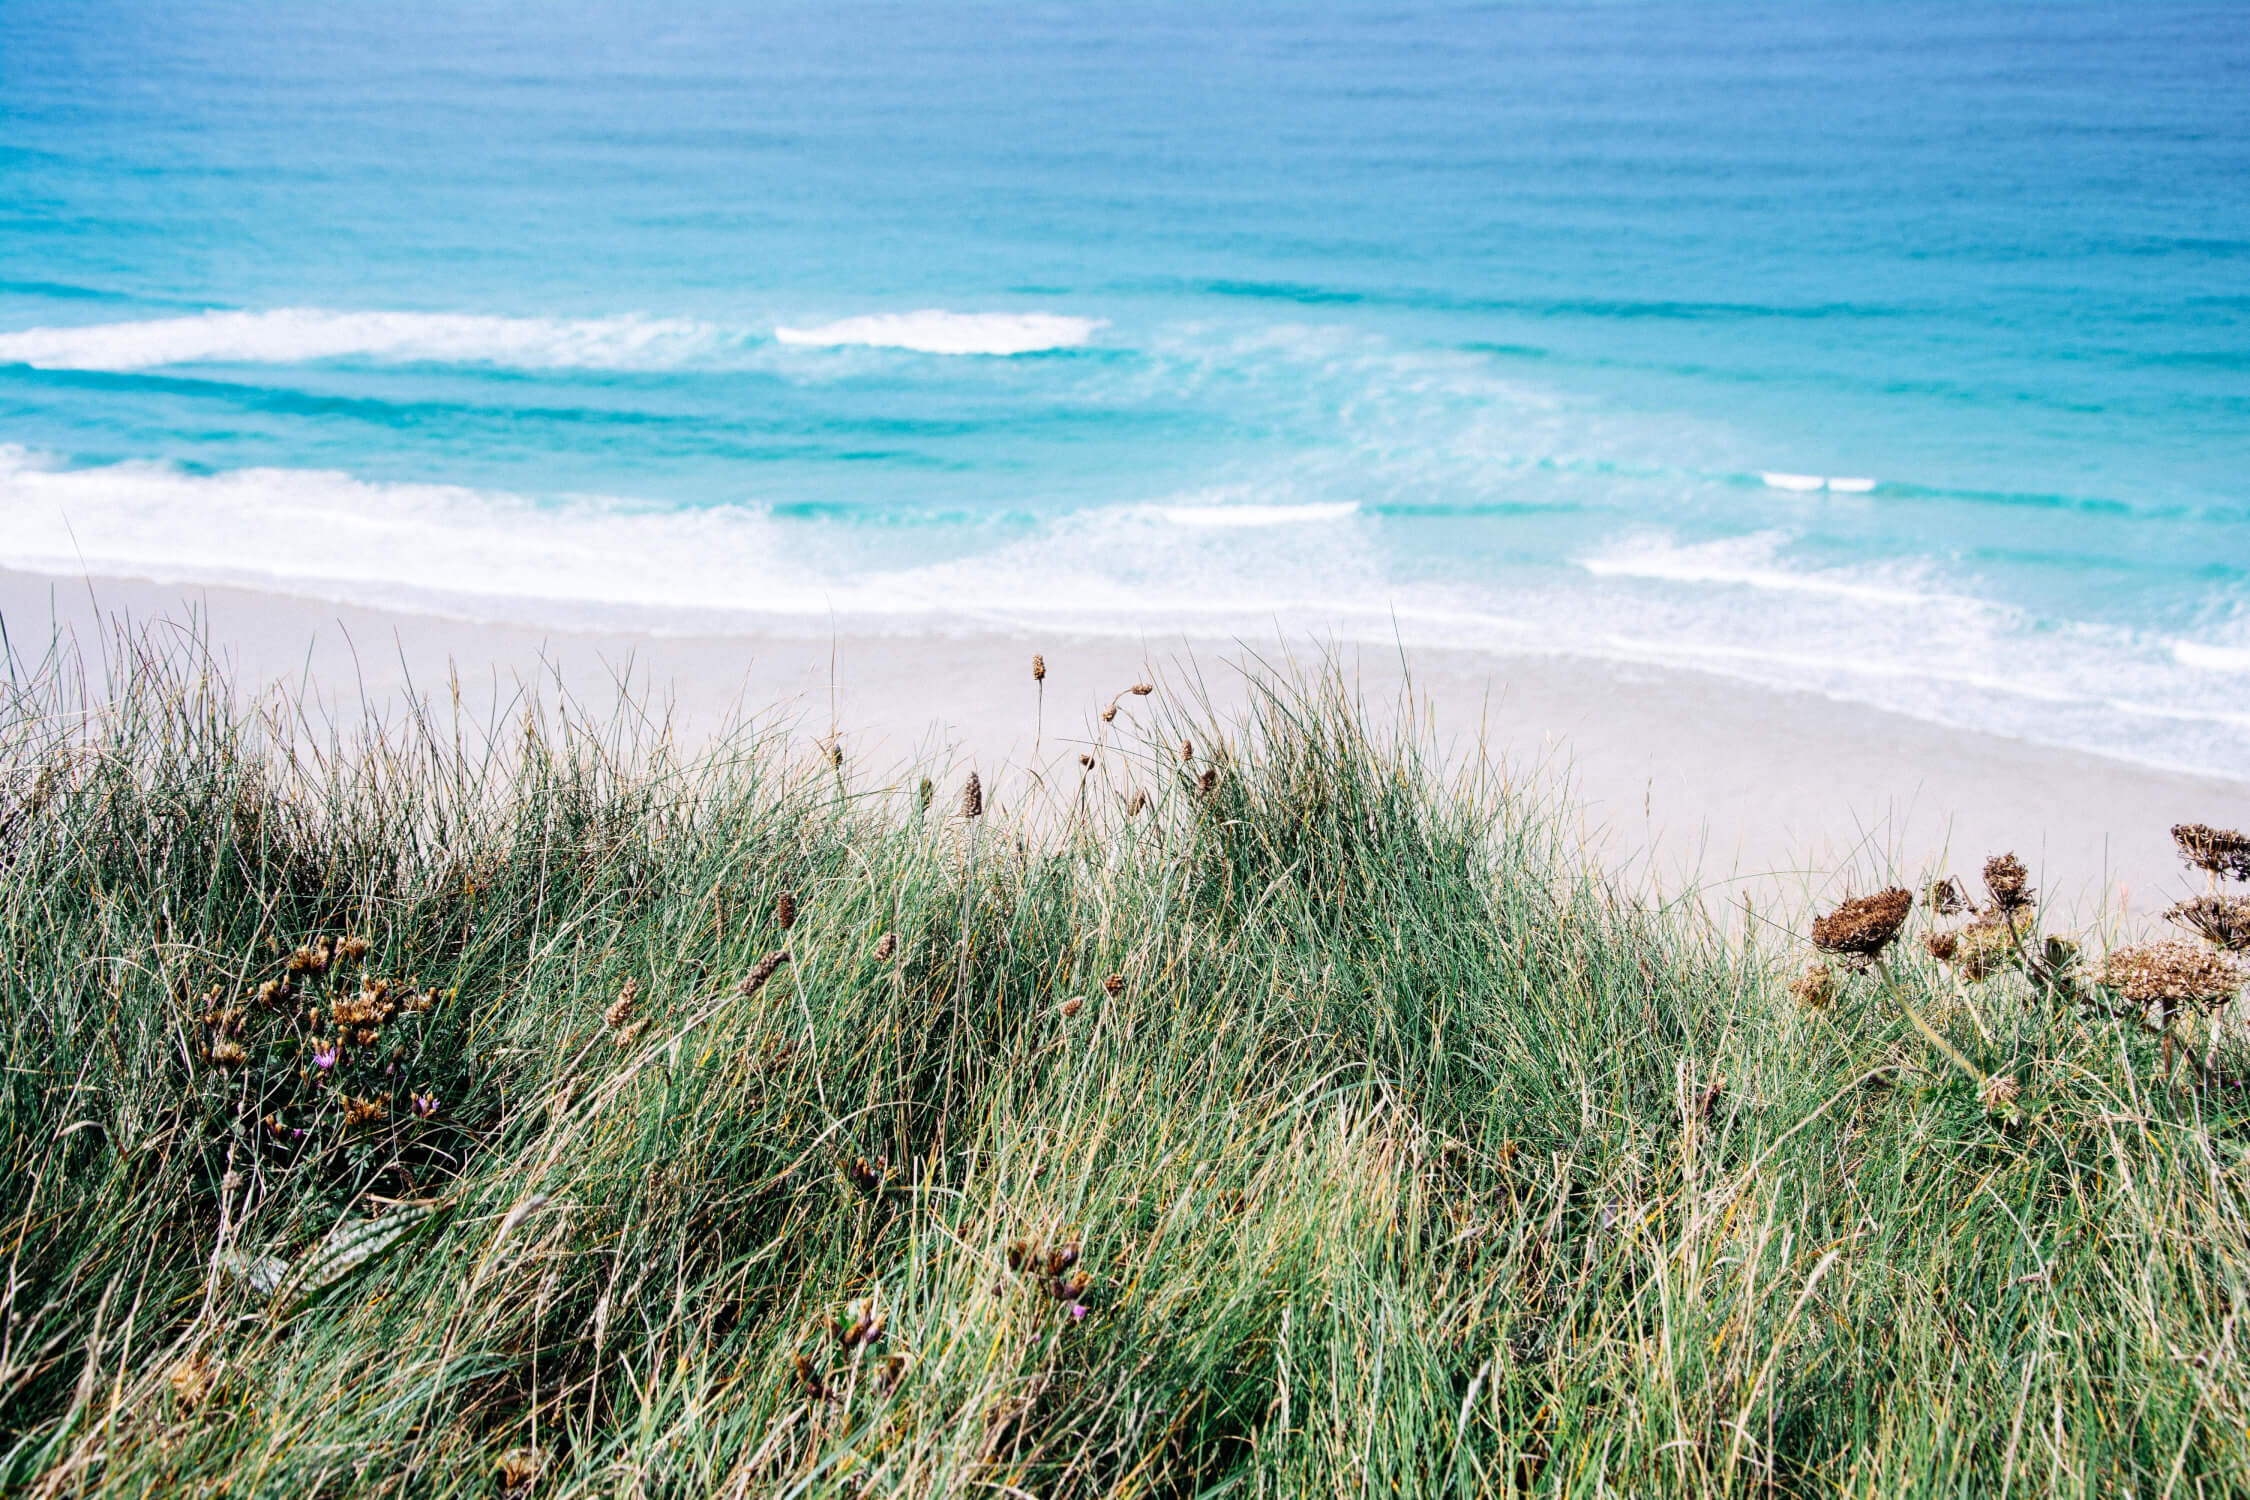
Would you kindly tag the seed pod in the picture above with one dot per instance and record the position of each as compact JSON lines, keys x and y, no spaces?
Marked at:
{"x":1038,"y":667}
{"x":2222,"y":851}
{"x":972,"y":797}
{"x":1187,"y":751}
{"x":1073,"y":1005}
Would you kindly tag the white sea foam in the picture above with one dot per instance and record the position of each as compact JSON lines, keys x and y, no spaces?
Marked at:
{"x":2208,"y":658}
{"x":1752,"y":562}
{"x":1841,"y":484}
{"x":1250,"y":514}
{"x":293,"y":335}
{"x":934,"y":331}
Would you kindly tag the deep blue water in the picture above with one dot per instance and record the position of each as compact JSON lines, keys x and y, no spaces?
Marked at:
{"x":1484,"y":325}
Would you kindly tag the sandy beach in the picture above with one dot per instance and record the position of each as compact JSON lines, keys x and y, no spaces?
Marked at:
{"x":1673,"y":779}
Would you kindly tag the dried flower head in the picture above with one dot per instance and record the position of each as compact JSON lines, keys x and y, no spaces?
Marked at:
{"x":1187,"y":751}
{"x":1942,"y":945}
{"x":1947,"y":899}
{"x":760,"y":972}
{"x":1208,"y":781}
{"x":2170,"y":973}
{"x":2008,"y":883}
{"x":785,"y":911}
{"x":2223,"y":851}
{"x":1069,"y":1288}
{"x":1114,"y":986}
{"x":1135,"y":803}
{"x":358,"y":1111}
{"x":1020,"y":1254}
{"x":228,"y":1053}
{"x":191,"y":1379}
{"x":809,"y":1379}
{"x":1038,"y":667}
{"x":1061,"y":1258}
{"x":1109,"y":714}
{"x":1864,"y":925}
{"x":1086,"y":762}
{"x":1073,"y":1005}
{"x":355,"y":948}
{"x":833,"y":753}
{"x":972,"y":797}
{"x":1141,"y":689}
{"x":1999,"y":1093}
{"x":517,"y":1471}
{"x":862,"y":1325}
{"x":620,"y":1010}
{"x":1993,"y":941}
{"x":868,"y":1176}
{"x":1815,"y":989}
{"x":425,"y":1106}
{"x":2221,"y":921}
{"x":885,"y":946}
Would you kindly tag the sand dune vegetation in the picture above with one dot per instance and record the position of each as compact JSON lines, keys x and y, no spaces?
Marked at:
{"x":1281,"y":1110}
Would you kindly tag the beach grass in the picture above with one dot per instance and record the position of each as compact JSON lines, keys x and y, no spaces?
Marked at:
{"x":1282,"y":1109}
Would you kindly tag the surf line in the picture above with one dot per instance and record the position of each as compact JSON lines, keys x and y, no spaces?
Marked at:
{"x":1805,"y":483}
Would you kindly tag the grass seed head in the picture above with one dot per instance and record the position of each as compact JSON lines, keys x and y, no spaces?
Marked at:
{"x":972,"y":797}
{"x":1114,"y":986}
{"x":926,"y":792}
{"x":1109,"y":714}
{"x":885,"y":946}
{"x":1073,"y":1005}
{"x":2170,"y":973}
{"x":620,"y":1010}
{"x":1141,"y":689}
{"x":785,"y":911}
{"x":1135,"y":803}
{"x":2008,"y":883}
{"x":1086,"y":762}
{"x":1864,"y":925}
{"x":760,"y":972}
{"x":2221,"y":921}
{"x":1038,"y":667}
{"x":2224,"y":852}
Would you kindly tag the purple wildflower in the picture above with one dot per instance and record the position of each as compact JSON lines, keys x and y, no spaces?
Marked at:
{"x":324,"y":1055}
{"x":425,"y":1105}
{"x":1076,"y":1310}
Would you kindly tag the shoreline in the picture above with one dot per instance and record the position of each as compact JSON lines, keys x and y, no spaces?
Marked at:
{"x":1675,"y":779}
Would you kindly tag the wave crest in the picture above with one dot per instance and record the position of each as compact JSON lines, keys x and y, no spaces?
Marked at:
{"x":294,"y":335}
{"x":935,"y":331}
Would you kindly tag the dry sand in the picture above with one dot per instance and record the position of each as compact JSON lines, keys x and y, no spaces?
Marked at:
{"x":1675,"y":779}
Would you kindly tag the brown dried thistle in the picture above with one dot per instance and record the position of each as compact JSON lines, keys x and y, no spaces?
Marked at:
{"x":972,"y":797}
{"x":1815,"y":989}
{"x":2008,"y":882}
{"x":1038,"y":667}
{"x":355,"y":948}
{"x":2224,"y":852}
{"x":2221,"y":921}
{"x":2169,"y":974}
{"x":760,"y":972}
{"x":620,"y":1010}
{"x":228,"y":1053}
{"x":1863,"y":926}
{"x":785,"y":911}
{"x":885,"y":946}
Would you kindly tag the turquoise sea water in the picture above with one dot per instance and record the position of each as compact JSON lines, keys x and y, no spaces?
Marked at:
{"x":1900,"y":352}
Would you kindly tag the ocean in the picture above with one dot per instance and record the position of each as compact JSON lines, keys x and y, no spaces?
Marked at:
{"x":1895,"y":353}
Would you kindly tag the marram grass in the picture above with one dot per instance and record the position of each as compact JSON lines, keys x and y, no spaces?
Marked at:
{"x":397,"y":1120}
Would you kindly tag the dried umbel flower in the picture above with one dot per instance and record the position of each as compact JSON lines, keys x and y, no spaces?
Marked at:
{"x":1990,"y":942}
{"x":1947,"y":899}
{"x":785,"y":911}
{"x":1942,"y":945}
{"x":517,"y":1471}
{"x":2170,"y":974}
{"x":1815,"y":989}
{"x":2221,"y":921}
{"x":1038,"y":667}
{"x":2008,"y":882}
{"x":1999,"y":1093}
{"x":885,"y":946}
{"x":1864,"y":925}
{"x":191,"y":1379}
{"x":620,"y":1010}
{"x":760,"y":972}
{"x":972,"y":797}
{"x":1114,"y":986}
{"x":2223,"y":851}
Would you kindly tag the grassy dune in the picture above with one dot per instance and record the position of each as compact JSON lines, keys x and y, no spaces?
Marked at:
{"x":400,"y":1119}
